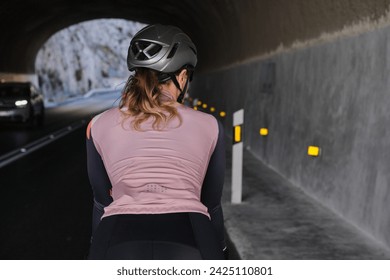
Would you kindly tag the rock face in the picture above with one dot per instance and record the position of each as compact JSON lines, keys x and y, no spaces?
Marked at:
{"x":85,"y":56}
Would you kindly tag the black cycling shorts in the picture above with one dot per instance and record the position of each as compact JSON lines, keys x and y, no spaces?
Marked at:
{"x":155,"y":236}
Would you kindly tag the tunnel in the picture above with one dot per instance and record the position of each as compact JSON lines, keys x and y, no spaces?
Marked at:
{"x":313,"y":73}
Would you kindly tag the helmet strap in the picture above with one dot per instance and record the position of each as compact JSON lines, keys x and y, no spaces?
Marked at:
{"x":182,"y":91}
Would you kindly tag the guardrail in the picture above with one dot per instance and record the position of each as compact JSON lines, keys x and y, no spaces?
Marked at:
{"x":37,"y":144}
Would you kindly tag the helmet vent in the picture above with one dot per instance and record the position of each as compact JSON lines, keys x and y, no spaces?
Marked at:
{"x":173,"y":51}
{"x":144,"y":50}
{"x":193,"y":50}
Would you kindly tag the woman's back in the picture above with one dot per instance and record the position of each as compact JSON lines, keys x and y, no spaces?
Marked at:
{"x":156,"y":171}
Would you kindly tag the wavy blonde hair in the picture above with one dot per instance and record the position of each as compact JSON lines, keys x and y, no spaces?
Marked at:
{"x":141,"y":97}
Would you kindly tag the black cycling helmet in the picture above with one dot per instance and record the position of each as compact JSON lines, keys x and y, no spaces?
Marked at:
{"x":164,"y":48}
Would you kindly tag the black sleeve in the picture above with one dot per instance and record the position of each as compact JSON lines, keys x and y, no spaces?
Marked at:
{"x":99,"y":181}
{"x":213,"y":185}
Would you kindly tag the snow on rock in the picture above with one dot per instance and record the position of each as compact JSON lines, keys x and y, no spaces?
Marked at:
{"x":85,"y":56}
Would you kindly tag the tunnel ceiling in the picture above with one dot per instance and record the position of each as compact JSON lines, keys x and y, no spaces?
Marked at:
{"x":225,"y":31}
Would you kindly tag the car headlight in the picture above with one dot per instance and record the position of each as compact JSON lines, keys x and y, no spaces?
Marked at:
{"x":21,"y":103}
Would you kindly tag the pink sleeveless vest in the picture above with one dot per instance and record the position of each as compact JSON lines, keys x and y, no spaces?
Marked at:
{"x":152,"y":171}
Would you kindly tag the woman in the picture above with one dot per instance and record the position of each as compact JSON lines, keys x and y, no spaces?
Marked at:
{"x":157,"y":167}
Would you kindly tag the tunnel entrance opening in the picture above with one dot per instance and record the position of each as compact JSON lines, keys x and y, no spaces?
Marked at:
{"x":83,"y":57}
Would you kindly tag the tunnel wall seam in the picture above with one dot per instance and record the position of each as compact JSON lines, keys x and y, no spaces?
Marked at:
{"x":362,"y":26}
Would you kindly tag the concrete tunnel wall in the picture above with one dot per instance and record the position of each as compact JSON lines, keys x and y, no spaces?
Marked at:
{"x":332,"y":92}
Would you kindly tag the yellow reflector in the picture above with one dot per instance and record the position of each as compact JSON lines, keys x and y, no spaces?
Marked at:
{"x":263,"y":131}
{"x":204,"y":105}
{"x":195,"y":108}
{"x":199,"y":103}
{"x":222,"y":114}
{"x":212,"y":109}
{"x":237,"y":133}
{"x":313,"y":151}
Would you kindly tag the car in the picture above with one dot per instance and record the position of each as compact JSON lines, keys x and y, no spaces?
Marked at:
{"x":21,"y":102}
